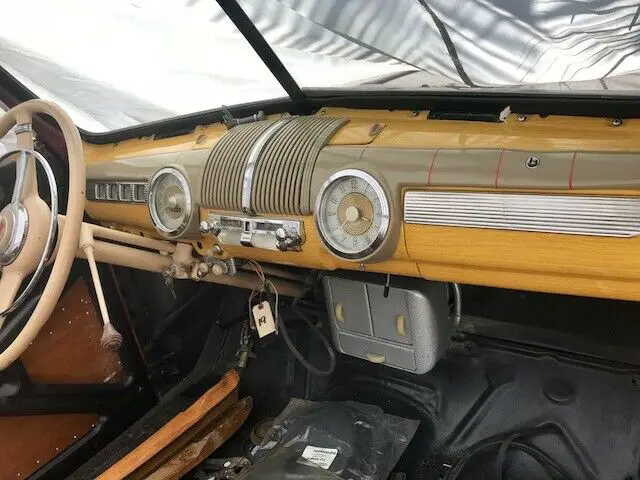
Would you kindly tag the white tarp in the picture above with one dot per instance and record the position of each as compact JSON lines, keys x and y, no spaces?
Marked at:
{"x":119,"y":63}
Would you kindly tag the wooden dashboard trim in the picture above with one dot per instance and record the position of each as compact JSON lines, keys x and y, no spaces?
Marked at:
{"x":556,"y":263}
{"x":554,"y":133}
{"x":125,"y":214}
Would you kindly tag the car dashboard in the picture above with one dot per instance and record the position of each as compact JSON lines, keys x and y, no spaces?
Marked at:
{"x":541,"y":203}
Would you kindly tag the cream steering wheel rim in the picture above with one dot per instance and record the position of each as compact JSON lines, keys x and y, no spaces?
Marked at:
{"x":34,"y":243}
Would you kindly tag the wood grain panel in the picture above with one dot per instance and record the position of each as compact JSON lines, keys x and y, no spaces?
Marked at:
{"x":204,"y":136}
{"x":204,"y":445}
{"x":552,"y":133}
{"x":357,"y":132}
{"x":571,"y":264}
{"x":129,"y":214}
{"x":68,"y":350}
{"x":27,"y":443}
{"x":545,"y":262}
{"x":171,"y":431}
{"x":569,"y":255}
{"x":196,"y":431}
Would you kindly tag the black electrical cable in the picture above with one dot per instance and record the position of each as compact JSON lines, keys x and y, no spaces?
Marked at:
{"x":554,"y":470}
{"x":296,"y":353}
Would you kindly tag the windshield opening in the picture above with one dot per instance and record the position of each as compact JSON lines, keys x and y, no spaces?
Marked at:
{"x":122,"y":63}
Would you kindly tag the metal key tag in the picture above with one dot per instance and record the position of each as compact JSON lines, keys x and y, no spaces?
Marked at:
{"x":263,"y":318}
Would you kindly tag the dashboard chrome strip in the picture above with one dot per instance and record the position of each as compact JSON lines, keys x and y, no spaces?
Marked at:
{"x":569,"y":214}
{"x":254,"y":154}
{"x":117,"y":191}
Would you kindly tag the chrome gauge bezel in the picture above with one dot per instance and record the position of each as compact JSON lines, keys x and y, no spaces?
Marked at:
{"x":323,"y":228}
{"x":182,"y":179}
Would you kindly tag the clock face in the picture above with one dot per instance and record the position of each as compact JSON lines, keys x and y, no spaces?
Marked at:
{"x":352,"y":214}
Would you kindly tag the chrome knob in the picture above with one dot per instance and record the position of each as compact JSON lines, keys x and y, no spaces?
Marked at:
{"x":204,"y":227}
{"x":202,"y":270}
{"x":216,"y":228}
{"x":293,"y":240}
{"x":219,"y":268}
{"x":281,"y":234}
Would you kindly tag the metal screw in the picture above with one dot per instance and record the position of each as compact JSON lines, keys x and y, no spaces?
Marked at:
{"x":532,"y":162}
{"x":415,"y":113}
{"x":227,"y":464}
{"x":323,"y":112}
{"x":521,"y":118}
{"x":217,"y":249}
{"x":616,"y":122}
{"x":200,"y":138}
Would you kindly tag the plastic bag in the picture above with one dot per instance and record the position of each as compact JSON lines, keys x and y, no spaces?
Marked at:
{"x":347,"y":439}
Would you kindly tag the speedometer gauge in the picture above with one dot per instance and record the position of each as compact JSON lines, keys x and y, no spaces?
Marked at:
{"x":170,"y":204}
{"x":352,"y":214}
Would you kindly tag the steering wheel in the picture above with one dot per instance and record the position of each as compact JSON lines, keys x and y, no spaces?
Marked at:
{"x":28,"y":226}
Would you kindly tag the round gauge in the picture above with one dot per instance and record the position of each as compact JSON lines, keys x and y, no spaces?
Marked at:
{"x":170,"y":201}
{"x":352,"y":214}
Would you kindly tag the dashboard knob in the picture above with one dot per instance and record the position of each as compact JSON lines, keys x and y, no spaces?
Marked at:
{"x":202,"y":270}
{"x":293,"y":240}
{"x":281,"y":234}
{"x":216,"y":228}
{"x":204,"y":227}
{"x":219,"y":268}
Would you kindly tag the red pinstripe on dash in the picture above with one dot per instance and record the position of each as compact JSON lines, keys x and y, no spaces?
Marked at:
{"x":573,"y":161}
{"x":499,"y":166}
{"x":433,"y":162}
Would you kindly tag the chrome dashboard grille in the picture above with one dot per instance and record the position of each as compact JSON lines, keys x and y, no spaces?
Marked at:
{"x":280,"y":169}
{"x":569,"y":214}
{"x":118,"y":191}
{"x":282,"y":181}
{"x":223,"y":173}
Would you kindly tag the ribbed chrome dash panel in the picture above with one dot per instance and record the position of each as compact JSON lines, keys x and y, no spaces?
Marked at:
{"x":266,"y":166}
{"x":570,"y":214}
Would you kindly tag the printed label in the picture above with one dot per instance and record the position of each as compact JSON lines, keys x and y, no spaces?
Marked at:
{"x":318,"y":456}
{"x":264,"y":319}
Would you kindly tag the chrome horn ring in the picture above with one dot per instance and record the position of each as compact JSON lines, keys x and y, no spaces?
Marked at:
{"x":20,"y":221}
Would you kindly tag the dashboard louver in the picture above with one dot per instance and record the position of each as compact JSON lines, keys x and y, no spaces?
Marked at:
{"x":120,"y":191}
{"x":283,"y":168}
{"x":224,"y":170}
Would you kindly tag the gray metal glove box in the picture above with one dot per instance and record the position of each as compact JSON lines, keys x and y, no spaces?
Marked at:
{"x":409,"y":329}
